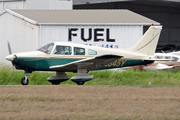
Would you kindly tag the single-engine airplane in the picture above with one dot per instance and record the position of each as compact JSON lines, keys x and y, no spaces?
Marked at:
{"x":70,"y":57}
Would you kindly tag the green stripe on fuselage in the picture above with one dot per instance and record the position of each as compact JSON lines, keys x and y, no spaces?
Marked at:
{"x":41,"y":64}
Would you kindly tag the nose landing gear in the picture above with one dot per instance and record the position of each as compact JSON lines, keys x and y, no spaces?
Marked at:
{"x":24,"y":80}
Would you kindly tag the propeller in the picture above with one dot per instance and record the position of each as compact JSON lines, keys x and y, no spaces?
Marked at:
{"x":9,"y":48}
{"x":10,"y":57}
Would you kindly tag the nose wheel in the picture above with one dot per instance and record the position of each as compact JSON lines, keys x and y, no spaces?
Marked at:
{"x":24,"y":80}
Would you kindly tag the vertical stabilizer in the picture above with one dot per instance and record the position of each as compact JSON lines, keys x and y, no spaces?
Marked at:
{"x":148,"y":42}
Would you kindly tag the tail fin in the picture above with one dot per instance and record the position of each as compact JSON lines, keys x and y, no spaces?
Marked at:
{"x":148,"y":42}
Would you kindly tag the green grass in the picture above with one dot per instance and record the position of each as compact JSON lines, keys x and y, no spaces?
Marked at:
{"x":129,"y":77}
{"x":132,"y":77}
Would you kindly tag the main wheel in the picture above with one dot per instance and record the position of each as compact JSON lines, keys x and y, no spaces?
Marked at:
{"x":55,"y":82}
{"x":24,"y":82}
{"x":80,"y":83}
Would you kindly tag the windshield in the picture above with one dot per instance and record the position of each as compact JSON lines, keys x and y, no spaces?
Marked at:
{"x":47,"y":48}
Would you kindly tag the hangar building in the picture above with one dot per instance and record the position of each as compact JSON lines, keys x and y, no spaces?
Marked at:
{"x":28,"y":30}
{"x":167,"y":12}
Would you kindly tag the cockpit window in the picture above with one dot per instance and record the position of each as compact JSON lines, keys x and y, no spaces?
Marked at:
{"x":168,"y":57}
{"x":47,"y":48}
{"x":92,"y":52}
{"x":62,"y":50}
{"x":159,"y":57}
{"x":79,"y":51}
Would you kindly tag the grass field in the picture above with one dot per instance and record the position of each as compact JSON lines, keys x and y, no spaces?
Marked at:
{"x":71,"y":102}
{"x":129,"y":77}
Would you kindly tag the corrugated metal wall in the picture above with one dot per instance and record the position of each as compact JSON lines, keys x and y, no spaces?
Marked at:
{"x":11,"y":5}
{"x":37,"y":4}
{"x":111,"y":36}
{"x":49,"y":4}
{"x":1,"y":6}
{"x":60,"y":4}
{"x":21,"y":34}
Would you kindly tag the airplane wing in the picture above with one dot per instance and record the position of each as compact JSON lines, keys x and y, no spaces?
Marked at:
{"x":88,"y":64}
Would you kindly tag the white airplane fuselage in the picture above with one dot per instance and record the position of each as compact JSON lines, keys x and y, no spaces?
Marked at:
{"x":41,"y":61}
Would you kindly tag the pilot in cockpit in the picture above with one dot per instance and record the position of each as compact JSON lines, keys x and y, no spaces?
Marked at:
{"x":60,"y":50}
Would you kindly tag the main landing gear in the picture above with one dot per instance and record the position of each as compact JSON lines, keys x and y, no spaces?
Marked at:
{"x":82,"y":77}
{"x":58,"y":78}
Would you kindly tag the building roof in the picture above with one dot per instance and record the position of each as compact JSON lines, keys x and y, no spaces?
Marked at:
{"x":82,"y":17}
